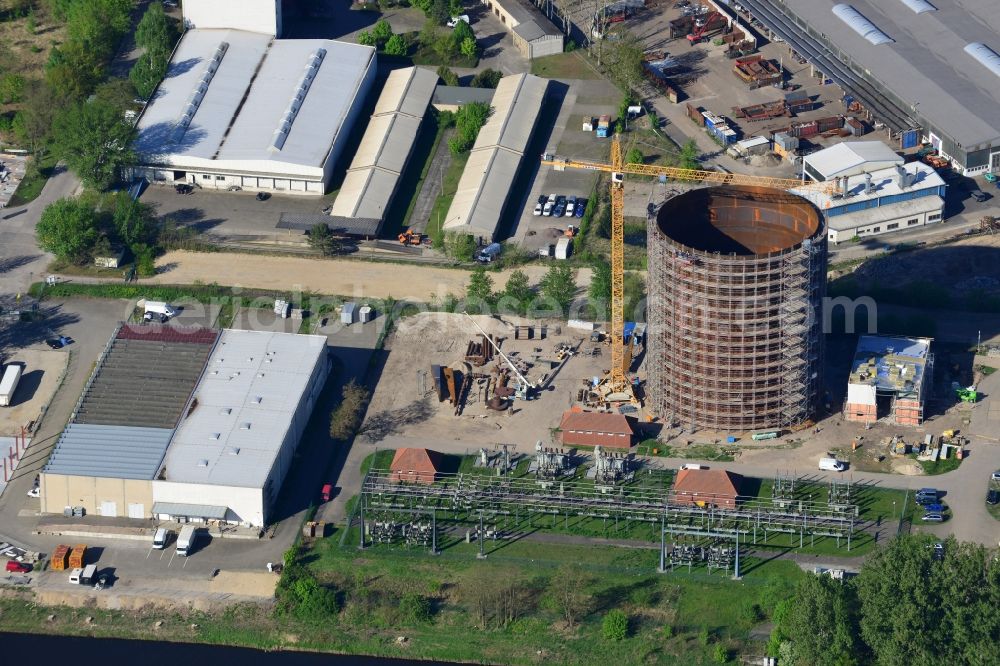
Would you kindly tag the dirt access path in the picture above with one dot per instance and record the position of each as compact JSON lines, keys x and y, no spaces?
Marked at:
{"x":340,"y":277}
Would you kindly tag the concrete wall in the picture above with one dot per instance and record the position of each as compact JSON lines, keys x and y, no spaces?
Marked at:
{"x":251,"y":15}
{"x":543,"y":46}
{"x":129,"y":496}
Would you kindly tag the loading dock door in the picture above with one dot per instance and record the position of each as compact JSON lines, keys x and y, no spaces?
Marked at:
{"x":136,"y":511}
{"x":109,"y":509}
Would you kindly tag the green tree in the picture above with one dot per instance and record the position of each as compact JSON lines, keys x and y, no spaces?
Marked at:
{"x":689,"y":155}
{"x":95,"y":141}
{"x":32,"y":125}
{"x":346,"y":418}
{"x":480,"y":289}
{"x":381,"y":31}
{"x":366,"y":38}
{"x":155,"y":31}
{"x":653,"y":119}
{"x":321,"y":238}
{"x":518,"y":290}
{"x":720,"y":654}
{"x":461,"y":32}
{"x":614,"y":625}
{"x":147,"y":72}
{"x":488,"y":78}
{"x":821,"y":623}
{"x":396,"y":46}
{"x":559,"y":285}
{"x":469,"y":119}
{"x":469,"y":47}
{"x":600,"y":289}
{"x":12,"y":89}
{"x":68,"y":229}
{"x":98,"y":24}
{"x":449,"y":77}
{"x":633,"y":156}
{"x":439,"y":11}
{"x":133,"y":221}
{"x":572,"y":601}
{"x":73,"y":70}
{"x":623,"y":61}
{"x":459,"y":246}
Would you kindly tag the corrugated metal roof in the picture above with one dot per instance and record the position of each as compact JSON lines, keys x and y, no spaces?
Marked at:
{"x":482,"y":192}
{"x":258,"y":85}
{"x":927,"y":67}
{"x":516,"y":104}
{"x":246,"y":401}
{"x":884,"y":182}
{"x":405,"y":91}
{"x":385,"y":149}
{"x":861,"y":25}
{"x":496,"y":156}
{"x":116,"y":452}
{"x":205,"y":511}
{"x":850,"y":157}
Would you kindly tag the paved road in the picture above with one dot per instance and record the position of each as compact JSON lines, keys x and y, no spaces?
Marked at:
{"x":21,"y":261}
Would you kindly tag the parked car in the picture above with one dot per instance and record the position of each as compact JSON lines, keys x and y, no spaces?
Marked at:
{"x":560,"y":207}
{"x":934,"y":508}
{"x":993,"y":497}
{"x":570,"y":206}
{"x":693,"y":466}
{"x":538,"y":209}
{"x":60,"y":342}
{"x":35,"y":492}
{"x":932,"y":517}
{"x":455,"y":20}
{"x":995,"y":476}
{"x":581,"y":206}
{"x":547,"y":209}
{"x":927,"y":496}
{"x":263,"y":196}
{"x":542,"y":198}
{"x":13,"y":566}
{"x":981,"y":196}
{"x":327,"y":492}
{"x":183,"y":188}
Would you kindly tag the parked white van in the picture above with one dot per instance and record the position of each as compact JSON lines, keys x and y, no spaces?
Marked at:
{"x":159,"y":307}
{"x":832,"y":465}
{"x":160,"y":538}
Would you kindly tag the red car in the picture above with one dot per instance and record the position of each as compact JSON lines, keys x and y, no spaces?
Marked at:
{"x":17,"y":567}
{"x":326,"y":492}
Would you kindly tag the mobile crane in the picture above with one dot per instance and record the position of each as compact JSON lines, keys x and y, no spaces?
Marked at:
{"x":616,"y":387}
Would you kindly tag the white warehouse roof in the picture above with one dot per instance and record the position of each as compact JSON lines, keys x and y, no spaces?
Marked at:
{"x":235,"y":100}
{"x":850,"y":158}
{"x":496,"y":157}
{"x":243,"y":407}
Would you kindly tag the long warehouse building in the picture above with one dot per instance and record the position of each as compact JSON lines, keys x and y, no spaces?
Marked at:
{"x":485,"y":187}
{"x":928,"y":70}
{"x":373,"y":177}
{"x":187,"y":424}
{"x":241,"y":109}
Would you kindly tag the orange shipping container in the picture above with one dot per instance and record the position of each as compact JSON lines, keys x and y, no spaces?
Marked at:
{"x":77,"y":556}
{"x":58,"y":559}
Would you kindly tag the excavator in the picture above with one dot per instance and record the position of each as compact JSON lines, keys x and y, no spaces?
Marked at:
{"x":410,"y":237}
{"x":616,"y":387}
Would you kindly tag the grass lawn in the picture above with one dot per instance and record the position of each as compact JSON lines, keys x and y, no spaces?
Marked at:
{"x":34,"y":181}
{"x":412,"y":182}
{"x":940,"y":466}
{"x":563,"y":66}
{"x":687,"y":604}
{"x":422,"y":54}
{"x":440,"y":211}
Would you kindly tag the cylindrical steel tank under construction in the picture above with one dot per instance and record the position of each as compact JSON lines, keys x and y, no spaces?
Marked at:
{"x":736,"y":282}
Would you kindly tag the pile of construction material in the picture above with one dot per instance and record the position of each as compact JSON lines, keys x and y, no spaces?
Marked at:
{"x":756,"y":71}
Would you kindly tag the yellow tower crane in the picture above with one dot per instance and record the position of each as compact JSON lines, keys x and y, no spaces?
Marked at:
{"x":616,"y":386}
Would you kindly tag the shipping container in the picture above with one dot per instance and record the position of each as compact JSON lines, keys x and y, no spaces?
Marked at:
{"x":695,"y":114}
{"x":78,"y":556}
{"x":827,"y":124}
{"x":11,"y":377}
{"x":60,"y":556}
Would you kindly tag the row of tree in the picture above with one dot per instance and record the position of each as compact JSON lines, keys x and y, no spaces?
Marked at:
{"x":908,"y":606}
{"x":156,"y":34}
{"x":382,"y":37}
{"x":557,"y":286}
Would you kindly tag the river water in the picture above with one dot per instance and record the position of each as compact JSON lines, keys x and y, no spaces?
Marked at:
{"x":45,"y":649}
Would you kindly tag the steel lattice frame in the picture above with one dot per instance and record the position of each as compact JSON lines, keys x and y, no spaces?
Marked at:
{"x":469,"y":495}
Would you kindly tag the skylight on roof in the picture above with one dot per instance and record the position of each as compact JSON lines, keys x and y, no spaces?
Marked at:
{"x":920,"y":6}
{"x":985,"y":56}
{"x":859,"y":24}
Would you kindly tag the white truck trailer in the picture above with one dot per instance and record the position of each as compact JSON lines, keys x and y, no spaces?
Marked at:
{"x":11,"y":377}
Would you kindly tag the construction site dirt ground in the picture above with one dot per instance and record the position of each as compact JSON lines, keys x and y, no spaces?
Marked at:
{"x":43,"y":370}
{"x":341,"y":277}
{"x":404,"y":405}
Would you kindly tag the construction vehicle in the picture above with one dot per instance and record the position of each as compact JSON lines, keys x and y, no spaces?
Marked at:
{"x":603,"y":126}
{"x":616,"y":387}
{"x":410,"y":237}
{"x":524,"y":389}
{"x":704,"y":26}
